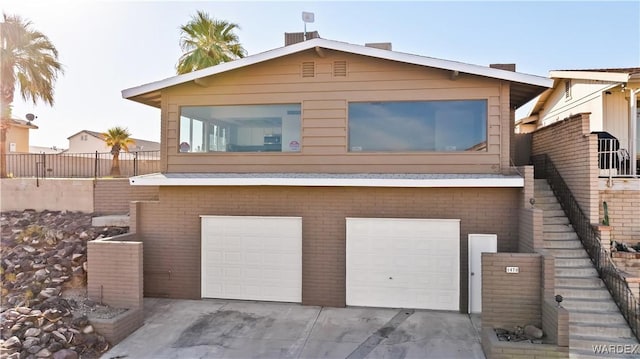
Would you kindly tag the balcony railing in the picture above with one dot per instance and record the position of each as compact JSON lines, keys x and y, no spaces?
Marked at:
{"x":601,"y":258}
{"x":81,"y":165}
{"x":612,"y":160}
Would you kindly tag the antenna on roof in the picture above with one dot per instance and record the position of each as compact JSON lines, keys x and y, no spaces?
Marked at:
{"x":307,"y":17}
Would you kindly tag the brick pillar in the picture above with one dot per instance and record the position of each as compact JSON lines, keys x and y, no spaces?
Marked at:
{"x":605,"y":235}
{"x":634,"y":285}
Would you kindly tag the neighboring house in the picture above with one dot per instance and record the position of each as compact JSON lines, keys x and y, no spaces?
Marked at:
{"x":611,"y":98}
{"x":332,"y":174}
{"x":18,"y":136}
{"x":603,"y":164}
{"x":90,"y":141}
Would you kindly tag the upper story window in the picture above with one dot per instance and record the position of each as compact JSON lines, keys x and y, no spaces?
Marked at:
{"x":437,"y":126}
{"x":240,"y":128}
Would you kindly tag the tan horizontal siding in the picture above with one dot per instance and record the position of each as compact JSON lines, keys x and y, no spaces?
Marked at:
{"x":324,"y":131}
{"x":324,"y":100}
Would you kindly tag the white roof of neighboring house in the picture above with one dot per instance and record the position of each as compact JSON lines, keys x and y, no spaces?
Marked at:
{"x":613,"y":75}
{"x":525,"y":86}
{"x":142,"y":144}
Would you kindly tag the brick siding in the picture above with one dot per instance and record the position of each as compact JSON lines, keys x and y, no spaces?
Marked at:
{"x":531,"y":237}
{"x":495,"y":349}
{"x":112,"y":196}
{"x":624,"y":214}
{"x":510,"y":299}
{"x":574,"y":152}
{"x":118,"y":328}
{"x":555,"y":323}
{"x":170,"y":228}
{"x":548,"y":276}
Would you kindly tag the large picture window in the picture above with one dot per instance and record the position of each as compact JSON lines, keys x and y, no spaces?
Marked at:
{"x":242,"y":128}
{"x":438,"y":126}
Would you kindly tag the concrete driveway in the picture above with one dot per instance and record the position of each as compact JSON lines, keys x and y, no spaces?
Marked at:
{"x":245,"y":329}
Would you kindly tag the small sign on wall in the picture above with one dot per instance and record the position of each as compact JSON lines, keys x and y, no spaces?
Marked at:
{"x":12,"y":147}
{"x":512,"y":269}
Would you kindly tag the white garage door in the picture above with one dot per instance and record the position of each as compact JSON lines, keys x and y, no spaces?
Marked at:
{"x":252,"y":258}
{"x":403,"y":263}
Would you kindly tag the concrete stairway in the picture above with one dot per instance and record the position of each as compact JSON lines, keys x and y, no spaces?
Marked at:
{"x":594,"y":318}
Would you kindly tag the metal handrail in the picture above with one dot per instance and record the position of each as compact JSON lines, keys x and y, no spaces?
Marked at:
{"x":601,"y":258}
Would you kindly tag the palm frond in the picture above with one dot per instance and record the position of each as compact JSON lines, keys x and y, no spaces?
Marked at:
{"x":29,"y":60}
{"x":206,"y":41}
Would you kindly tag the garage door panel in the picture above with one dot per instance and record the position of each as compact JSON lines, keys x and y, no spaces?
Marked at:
{"x":254,"y":258}
{"x":403,"y":263}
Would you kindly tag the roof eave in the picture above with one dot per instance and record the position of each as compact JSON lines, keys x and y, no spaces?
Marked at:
{"x":590,"y":75}
{"x":143,"y":93}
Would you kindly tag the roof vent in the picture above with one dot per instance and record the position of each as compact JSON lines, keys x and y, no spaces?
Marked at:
{"x":291,"y":38}
{"x":308,"y":69}
{"x":379,"y":45}
{"x":507,"y":67}
{"x":339,"y":68}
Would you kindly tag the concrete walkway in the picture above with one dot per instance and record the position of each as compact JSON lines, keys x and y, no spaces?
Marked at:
{"x":245,"y":329}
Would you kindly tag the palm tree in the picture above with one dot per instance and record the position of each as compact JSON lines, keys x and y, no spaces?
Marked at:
{"x":118,"y":139}
{"x":206,"y":41}
{"x":27,"y":59}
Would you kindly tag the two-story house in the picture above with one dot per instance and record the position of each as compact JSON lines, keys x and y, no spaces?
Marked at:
{"x":18,"y":136}
{"x":332,"y":174}
{"x":603,"y":165}
{"x":86,"y":141}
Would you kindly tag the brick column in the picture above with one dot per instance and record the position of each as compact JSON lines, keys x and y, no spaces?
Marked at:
{"x":605,"y":236}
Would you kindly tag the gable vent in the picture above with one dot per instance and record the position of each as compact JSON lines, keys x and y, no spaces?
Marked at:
{"x":339,"y":68}
{"x":308,"y":69}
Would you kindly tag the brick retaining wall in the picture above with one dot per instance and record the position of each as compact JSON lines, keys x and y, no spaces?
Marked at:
{"x":112,"y":196}
{"x":510,"y":299}
{"x":574,"y":151}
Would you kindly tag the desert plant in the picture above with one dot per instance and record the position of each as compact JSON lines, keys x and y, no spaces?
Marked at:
{"x":28,"y":60}
{"x":206,"y":41}
{"x":118,"y":138}
{"x":605,"y":208}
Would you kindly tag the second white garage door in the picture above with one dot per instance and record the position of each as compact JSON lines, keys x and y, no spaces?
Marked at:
{"x":252,"y":258}
{"x":403,"y":263}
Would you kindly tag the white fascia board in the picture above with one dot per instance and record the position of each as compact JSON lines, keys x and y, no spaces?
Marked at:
{"x":590,"y":75}
{"x":159,"y":180}
{"x":345,"y":47}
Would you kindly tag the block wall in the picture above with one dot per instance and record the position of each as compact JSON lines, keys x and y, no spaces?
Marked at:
{"x":112,"y":196}
{"x":114,"y":274}
{"x":170,"y":228}
{"x":511,"y":299}
{"x":555,"y":323}
{"x":624,"y":214}
{"x":574,"y":152}
{"x":530,"y":237}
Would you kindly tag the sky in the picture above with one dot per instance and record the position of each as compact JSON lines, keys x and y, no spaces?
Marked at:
{"x":108,"y":46}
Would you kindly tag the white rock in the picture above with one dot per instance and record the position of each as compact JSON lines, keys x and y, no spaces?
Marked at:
{"x":88,"y":329}
{"x":23,"y":310}
{"x":28,"y":249}
{"x":531,"y":331}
